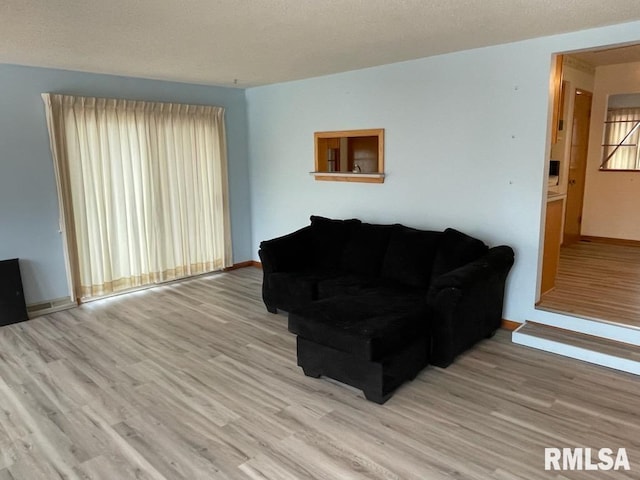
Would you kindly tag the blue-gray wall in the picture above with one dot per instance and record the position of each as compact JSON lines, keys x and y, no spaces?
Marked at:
{"x":466,"y":145}
{"x":28,"y":198}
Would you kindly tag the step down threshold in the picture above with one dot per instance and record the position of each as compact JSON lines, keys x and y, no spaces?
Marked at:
{"x":588,"y":348}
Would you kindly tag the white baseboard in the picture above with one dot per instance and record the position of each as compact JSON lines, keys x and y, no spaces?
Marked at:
{"x":50,"y":306}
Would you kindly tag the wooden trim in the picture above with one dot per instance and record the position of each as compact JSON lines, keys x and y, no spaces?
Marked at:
{"x":510,"y":325}
{"x":354,"y":177}
{"x":320,"y":171}
{"x":248,"y":263}
{"x":556,"y":89}
{"x":369,"y":132}
{"x":611,"y":241}
{"x":552,"y":240}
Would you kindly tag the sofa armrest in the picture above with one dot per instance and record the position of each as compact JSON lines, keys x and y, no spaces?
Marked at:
{"x":466,"y":304}
{"x":287,"y":253}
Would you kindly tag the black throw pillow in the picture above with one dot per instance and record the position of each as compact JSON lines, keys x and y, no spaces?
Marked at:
{"x":366,"y":248}
{"x":329,"y":239}
{"x":409,"y":258}
{"x":455,"y":250}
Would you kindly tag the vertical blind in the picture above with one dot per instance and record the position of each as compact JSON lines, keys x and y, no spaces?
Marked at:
{"x":143,"y":190}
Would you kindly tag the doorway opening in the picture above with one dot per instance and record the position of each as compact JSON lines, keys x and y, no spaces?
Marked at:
{"x":591,"y":251}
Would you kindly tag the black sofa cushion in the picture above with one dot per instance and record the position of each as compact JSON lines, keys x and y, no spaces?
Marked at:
{"x":410,"y":256}
{"x":369,"y":326}
{"x":364,"y":285}
{"x":364,"y":252}
{"x":329,"y":237}
{"x":292,"y":289}
{"x":455,"y":250}
{"x":349,"y":284}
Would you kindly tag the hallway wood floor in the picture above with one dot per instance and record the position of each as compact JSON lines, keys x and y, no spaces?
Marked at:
{"x":196,"y":381}
{"x":597,"y":281}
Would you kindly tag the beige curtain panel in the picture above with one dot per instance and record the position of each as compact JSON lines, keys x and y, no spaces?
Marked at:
{"x":143,"y":190}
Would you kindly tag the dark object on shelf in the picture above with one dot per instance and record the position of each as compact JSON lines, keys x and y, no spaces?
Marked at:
{"x":12,"y":305}
{"x":372,"y":305}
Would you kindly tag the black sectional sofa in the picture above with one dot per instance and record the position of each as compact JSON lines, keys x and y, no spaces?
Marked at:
{"x":372,"y":305}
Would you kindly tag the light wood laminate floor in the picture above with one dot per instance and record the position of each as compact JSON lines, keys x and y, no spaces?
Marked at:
{"x":597,"y":281}
{"x":196,"y":381}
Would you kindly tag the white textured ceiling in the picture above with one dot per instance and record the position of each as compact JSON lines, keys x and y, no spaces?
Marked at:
{"x":265,"y":41}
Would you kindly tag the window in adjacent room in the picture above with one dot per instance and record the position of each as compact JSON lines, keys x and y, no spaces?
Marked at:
{"x":621,"y":137}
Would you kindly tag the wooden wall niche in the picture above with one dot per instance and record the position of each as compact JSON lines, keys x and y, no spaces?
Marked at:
{"x":350,"y":156}
{"x":556,"y":92}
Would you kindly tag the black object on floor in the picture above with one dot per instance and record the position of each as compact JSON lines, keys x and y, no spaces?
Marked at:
{"x":12,"y":305}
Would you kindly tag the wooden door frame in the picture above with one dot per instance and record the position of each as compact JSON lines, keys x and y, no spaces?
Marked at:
{"x":583,"y":173}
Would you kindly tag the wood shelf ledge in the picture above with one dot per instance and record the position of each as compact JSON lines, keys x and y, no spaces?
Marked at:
{"x":349,"y":177}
